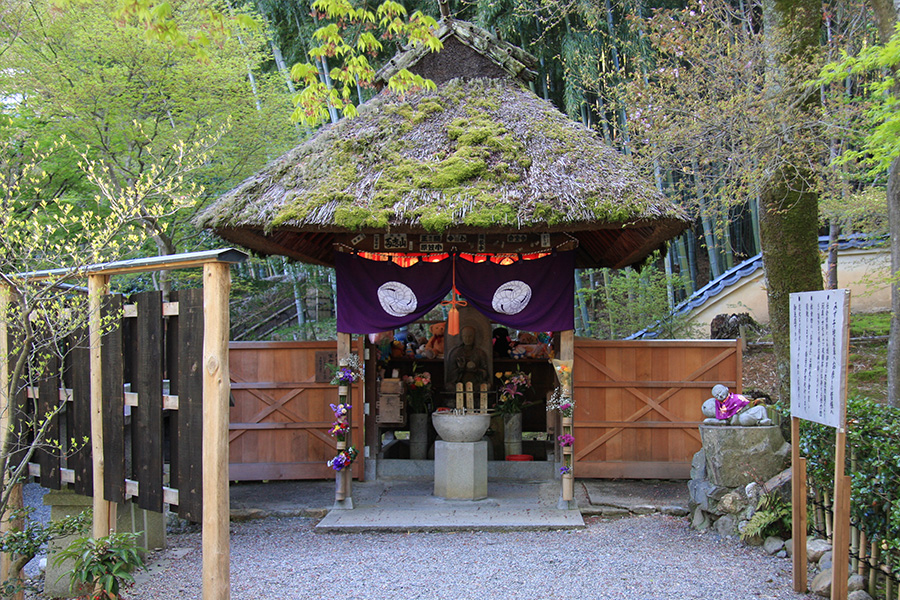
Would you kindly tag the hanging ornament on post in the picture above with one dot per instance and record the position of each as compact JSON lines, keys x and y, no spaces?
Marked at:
{"x":453,"y":314}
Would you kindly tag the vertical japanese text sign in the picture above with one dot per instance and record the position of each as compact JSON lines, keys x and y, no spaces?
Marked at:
{"x":819,"y":342}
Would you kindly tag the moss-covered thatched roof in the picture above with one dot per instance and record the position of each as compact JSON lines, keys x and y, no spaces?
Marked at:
{"x":474,"y":156}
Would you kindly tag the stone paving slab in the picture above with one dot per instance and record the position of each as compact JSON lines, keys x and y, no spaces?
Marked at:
{"x":614,"y":498}
{"x":396,"y":505}
{"x":407,"y":506}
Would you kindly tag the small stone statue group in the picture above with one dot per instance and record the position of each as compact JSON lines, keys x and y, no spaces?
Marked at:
{"x":726,"y":408}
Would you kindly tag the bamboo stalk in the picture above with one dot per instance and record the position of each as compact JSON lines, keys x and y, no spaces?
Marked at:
{"x":854,"y":531}
{"x":829,"y":505}
{"x":820,"y":511}
{"x":888,"y":582}
{"x":861,"y":570}
{"x":873,"y":568}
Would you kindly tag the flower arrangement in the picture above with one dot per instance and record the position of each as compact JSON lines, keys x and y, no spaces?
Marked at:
{"x":565,"y":470}
{"x":563,"y":369}
{"x":343,"y":459}
{"x":418,"y":391}
{"x":564,"y":404}
{"x":347,"y":374}
{"x":340,"y":427}
{"x":513,"y":384}
{"x":565,"y":440}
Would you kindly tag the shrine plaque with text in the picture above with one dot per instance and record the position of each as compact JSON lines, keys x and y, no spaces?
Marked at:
{"x":324,"y":374}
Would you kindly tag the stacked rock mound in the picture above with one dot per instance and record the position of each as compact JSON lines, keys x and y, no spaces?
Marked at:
{"x":726,"y":474}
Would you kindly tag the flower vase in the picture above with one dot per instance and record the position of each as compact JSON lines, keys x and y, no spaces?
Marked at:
{"x":567,"y":449}
{"x":341,"y":482}
{"x":567,"y":422}
{"x":512,"y":434}
{"x":418,"y":436}
{"x":341,"y":445}
{"x":568,"y":487}
{"x":343,"y":391}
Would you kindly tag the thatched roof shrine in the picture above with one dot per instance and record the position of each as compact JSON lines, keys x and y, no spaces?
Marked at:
{"x":480,"y":155}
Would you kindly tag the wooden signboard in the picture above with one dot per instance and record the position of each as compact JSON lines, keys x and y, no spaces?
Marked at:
{"x":819,"y":347}
{"x":820,"y":338}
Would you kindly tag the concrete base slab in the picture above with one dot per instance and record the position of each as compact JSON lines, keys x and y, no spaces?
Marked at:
{"x":345,"y":504}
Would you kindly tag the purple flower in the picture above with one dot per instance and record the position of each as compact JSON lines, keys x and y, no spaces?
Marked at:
{"x":565,"y":470}
{"x":565,"y":440}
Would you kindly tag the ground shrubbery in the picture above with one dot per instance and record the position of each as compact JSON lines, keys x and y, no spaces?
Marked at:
{"x":873,"y":455}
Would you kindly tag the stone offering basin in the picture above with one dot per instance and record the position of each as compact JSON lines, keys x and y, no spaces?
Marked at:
{"x":460,"y":428}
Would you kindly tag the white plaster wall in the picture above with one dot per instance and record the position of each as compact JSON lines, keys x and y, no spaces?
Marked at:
{"x":863,"y":270}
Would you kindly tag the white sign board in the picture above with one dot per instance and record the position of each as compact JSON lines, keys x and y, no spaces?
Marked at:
{"x":820,"y":330}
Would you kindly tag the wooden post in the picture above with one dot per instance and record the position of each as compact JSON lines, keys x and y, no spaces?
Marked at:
{"x":841,"y":521}
{"x":216,"y":390}
{"x":567,"y":352}
{"x":6,"y":412}
{"x":798,"y":509}
{"x":104,"y":521}
{"x":343,"y":479}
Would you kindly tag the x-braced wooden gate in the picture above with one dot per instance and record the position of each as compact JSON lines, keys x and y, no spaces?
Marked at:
{"x":638,"y":403}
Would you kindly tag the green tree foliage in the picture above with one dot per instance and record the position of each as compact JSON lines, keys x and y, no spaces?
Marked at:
{"x":134,"y":107}
{"x":880,"y":148}
{"x":881,"y":137}
{"x":624,"y":302}
{"x":344,"y":42}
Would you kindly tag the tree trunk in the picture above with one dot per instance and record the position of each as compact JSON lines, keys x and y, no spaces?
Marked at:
{"x":831,"y":264}
{"x":887,"y":15}
{"x":893,"y":359}
{"x":787,"y":226}
{"x":788,"y":203}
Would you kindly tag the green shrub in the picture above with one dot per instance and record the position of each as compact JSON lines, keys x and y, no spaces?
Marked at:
{"x":873,"y":463}
{"x":103,"y":565}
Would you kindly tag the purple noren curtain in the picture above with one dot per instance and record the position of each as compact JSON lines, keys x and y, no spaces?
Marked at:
{"x":531,"y":295}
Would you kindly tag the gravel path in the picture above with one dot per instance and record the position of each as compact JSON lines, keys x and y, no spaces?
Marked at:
{"x":644,"y":558}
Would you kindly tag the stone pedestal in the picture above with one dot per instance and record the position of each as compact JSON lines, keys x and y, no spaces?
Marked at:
{"x":735,"y":456}
{"x":129,"y":517}
{"x":460,"y":470}
{"x":731,"y":458}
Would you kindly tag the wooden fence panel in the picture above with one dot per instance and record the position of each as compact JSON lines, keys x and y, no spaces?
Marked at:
{"x":113,"y":403}
{"x":146,"y":417}
{"x":48,"y":403}
{"x":79,"y":412}
{"x":637,"y":404}
{"x":190,"y":404}
{"x":280,"y":420}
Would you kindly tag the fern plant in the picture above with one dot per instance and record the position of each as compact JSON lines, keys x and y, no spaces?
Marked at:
{"x":772,"y":517}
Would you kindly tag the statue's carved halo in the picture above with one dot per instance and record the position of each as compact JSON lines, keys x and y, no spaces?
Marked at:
{"x":397,"y":299}
{"x":512,"y":297}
